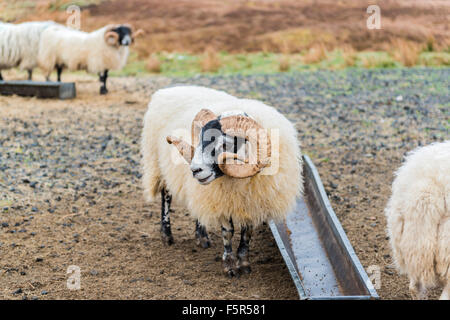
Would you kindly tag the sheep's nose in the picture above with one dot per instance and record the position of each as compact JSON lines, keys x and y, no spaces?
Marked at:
{"x":196,"y":170}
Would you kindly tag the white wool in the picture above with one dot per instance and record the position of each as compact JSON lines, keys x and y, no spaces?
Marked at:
{"x":78,"y":50}
{"x":19,"y":44}
{"x":248,"y":201}
{"x":418,"y":216}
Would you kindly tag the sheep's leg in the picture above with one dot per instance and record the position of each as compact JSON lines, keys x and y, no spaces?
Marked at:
{"x":417,"y":291}
{"x":1,"y":78}
{"x":103,"y":78}
{"x":446,"y":292}
{"x":229,"y":259}
{"x":30,"y":74}
{"x":202,"y":236}
{"x":59,"y":70}
{"x":166,"y":232}
{"x":244,"y":249}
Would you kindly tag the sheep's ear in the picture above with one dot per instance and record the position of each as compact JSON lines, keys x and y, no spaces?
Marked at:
{"x":184,"y":148}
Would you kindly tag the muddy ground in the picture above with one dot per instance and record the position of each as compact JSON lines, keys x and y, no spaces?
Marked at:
{"x":70,"y":183}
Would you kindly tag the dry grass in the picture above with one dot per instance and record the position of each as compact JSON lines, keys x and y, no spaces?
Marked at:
{"x":210,"y":61}
{"x":431,"y":59}
{"x":153,"y":64}
{"x":284,"y":63}
{"x":241,"y":26}
{"x":377,"y":61}
{"x":406,"y":52}
{"x":291,"y":41}
{"x":370,"y":62}
{"x":431,"y":44}
{"x":315,"y":54}
{"x":349,"y":54}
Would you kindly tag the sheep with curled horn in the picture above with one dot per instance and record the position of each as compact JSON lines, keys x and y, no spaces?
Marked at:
{"x":96,"y":52}
{"x":231,"y":162}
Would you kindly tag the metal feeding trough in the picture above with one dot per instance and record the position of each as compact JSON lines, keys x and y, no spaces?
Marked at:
{"x":316,"y":250}
{"x":26,"y":88}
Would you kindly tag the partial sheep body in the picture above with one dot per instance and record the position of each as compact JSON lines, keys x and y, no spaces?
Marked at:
{"x":19,"y":44}
{"x":78,"y":50}
{"x":418,"y":218}
{"x":247,"y":201}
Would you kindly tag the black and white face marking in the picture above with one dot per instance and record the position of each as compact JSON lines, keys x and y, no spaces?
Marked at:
{"x":213,"y":141}
{"x":204,"y":165}
{"x":124,"y":35}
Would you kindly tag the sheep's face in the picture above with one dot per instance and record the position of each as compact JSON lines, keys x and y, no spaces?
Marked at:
{"x":119,"y":35}
{"x":231,"y":144}
{"x":125,"y":35}
{"x":204,"y":165}
{"x":212,"y":143}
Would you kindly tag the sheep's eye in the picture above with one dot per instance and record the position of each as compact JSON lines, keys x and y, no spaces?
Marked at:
{"x":228,"y":146}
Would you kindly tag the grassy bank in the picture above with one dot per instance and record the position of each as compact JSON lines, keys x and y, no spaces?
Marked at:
{"x":222,"y":63}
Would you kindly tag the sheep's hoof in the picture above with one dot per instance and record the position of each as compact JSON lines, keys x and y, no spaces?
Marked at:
{"x":244,"y":268}
{"x":103,"y":90}
{"x":203,"y":242}
{"x":417,"y":291}
{"x":229,"y":266}
{"x":167,"y":239}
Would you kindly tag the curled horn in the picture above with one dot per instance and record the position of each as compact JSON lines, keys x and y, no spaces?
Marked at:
{"x":185,"y":149}
{"x":134,"y":33}
{"x":138,"y":33}
{"x":111,"y":37}
{"x":203,"y":117}
{"x":232,"y":164}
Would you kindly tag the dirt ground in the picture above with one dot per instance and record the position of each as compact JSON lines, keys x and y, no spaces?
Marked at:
{"x":275,"y":26}
{"x":70,"y":186}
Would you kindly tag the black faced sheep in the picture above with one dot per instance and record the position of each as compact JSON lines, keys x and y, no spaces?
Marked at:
{"x":96,"y":52}
{"x":240,"y":163}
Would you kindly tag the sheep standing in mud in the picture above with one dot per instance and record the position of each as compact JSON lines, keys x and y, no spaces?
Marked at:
{"x":418,"y":219}
{"x":243,"y":165}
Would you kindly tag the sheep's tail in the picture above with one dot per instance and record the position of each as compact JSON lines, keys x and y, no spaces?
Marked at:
{"x":151,"y":178}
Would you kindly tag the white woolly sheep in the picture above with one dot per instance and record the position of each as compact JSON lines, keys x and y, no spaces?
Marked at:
{"x":418,"y":219}
{"x":19,"y":44}
{"x":243,"y":166}
{"x":96,"y":52}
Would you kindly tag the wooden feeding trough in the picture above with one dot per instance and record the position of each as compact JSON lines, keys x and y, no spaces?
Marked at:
{"x":316,"y":250}
{"x":26,"y":88}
